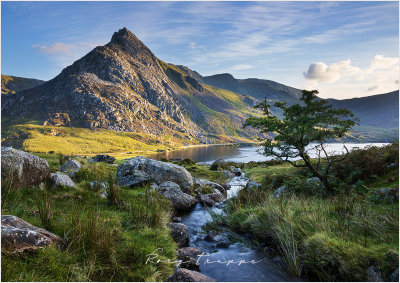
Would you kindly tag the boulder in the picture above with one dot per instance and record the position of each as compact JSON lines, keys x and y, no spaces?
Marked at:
{"x":374,"y":275}
{"x":62,"y":180}
{"x":158,"y":172}
{"x":218,"y":164}
{"x":137,"y":177}
{"x":213,"y":236}
{"x":279,"y":191}
{"x":102,"y":158}
{"x":154,"y":186}
{"x":237,"y":171}
{"x":206,"y":200}
{"x":188,"y":256}
{"x":71,"y":167}
{"x":251,"y":185}
{"x":180,"y":200}
{"x":23,"y":169}
{"x":18,"y":236}
{"x":204,"y":183}
{"x":186,"y":275}
{"x":394,"y":277}
{"x":177,"y":220}
{"x":180,"y":234}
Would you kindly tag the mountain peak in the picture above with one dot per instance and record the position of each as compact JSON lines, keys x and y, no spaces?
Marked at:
{"x":123,"y":35}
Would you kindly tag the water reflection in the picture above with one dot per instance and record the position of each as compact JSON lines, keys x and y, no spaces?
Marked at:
{"x":244,"y":152}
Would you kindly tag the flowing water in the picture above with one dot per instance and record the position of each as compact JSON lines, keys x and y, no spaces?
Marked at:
{"x":237,"y":263}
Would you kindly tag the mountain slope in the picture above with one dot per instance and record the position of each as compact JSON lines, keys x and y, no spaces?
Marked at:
{"x":123,"y":86}
{"x":11,"y":84}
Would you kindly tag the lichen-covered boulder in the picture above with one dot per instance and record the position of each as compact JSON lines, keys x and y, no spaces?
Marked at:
{"x":18,"y":236}
{"x":71,"y":167}
{"x":22,"y":169}
{"x":180,"y":200}
{"x":135,"y":178}
{"x":157,"y":171}
{"x":180,"y":233}
{"x":62,"y":180}
{"x":186,"y":275}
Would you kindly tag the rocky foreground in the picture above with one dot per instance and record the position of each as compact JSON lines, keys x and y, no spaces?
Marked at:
{"x":21,"y":169}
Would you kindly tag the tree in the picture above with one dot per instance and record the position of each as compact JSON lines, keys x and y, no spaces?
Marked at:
{"x":315,"y":121}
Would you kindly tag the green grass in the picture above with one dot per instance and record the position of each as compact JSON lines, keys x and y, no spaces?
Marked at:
{"x":324,"y":237}
{"x":106,"y":241}
{"x":70,"y":140}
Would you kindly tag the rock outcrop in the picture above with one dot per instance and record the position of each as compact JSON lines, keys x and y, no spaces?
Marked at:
{"x":186,"y":275}
{"x":180,"y":200}
{"x":62,"y":180}
{"x":179,"y":233}
{"x":22,"y":169}
{"x":157,"y":171}
{"x":70,"y":167}
{"x":18,"y":236}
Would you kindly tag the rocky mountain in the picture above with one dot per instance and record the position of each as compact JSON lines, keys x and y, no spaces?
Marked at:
{"x":123,"y":86}
{"x":11,"y":84}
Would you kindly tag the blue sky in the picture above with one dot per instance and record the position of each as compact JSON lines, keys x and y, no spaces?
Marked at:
{"x":343,"y":49}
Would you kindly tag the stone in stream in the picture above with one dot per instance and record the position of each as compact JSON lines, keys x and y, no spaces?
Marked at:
{"x":237,"y":171}
{"x":71,"y":167}
{"x":18,"y":236}
{"x":186,"y":275}
{"x":180,"y":200}
{"x":22,"y":169}
{"x":211,"y":199}
{"x":180,"y":234}
{"x":177,"y":220}
{"x":189,"y":255}
{"x":62,"y":180}
{"x":157,"y":171}
{"x":206,"y":183}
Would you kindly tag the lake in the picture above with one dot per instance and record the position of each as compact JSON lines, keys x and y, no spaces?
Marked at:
{"x":243,"y":152}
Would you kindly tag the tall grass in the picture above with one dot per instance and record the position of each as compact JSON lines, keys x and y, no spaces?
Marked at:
{"x":320,"y":238}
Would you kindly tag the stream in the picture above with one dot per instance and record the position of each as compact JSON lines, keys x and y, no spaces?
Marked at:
{"x":254,"y":265}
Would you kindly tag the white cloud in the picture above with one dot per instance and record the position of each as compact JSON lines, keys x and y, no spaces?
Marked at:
{"x":342,"y":77}
{"x":240,"y":67}
{"x":319,"y":71}
{"x":382,"y":62}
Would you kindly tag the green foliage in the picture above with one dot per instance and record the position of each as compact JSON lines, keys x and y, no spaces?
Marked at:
{"x":364,"y":164}
{"x":95,"y":171}
{"x":315,"y":121}
{"x":321,"y":239}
